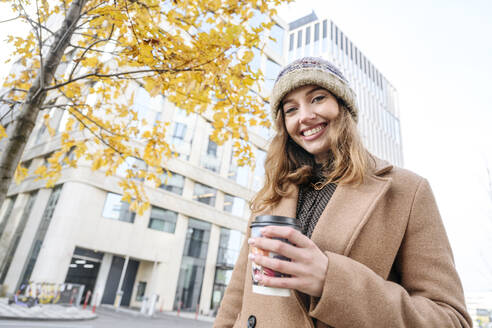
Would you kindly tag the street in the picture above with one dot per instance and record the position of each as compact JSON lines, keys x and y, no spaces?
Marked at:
{"x":108,"y":318}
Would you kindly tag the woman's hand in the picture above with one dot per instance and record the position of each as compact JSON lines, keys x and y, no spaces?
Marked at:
{"x":307,"y":267}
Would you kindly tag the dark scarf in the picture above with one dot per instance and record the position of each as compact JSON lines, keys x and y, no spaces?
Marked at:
{"x":311,"y":202}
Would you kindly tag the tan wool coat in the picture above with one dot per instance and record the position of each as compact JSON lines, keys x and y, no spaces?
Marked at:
{"x":389,"y":263}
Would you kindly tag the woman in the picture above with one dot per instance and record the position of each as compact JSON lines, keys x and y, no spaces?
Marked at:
{"x":372,"y":251}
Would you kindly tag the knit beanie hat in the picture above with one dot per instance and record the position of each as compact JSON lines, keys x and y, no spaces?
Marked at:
{"x":317,"y":71}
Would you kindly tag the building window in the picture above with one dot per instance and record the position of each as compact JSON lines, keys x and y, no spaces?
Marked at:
{"x":141,"y":291}
{"x":316,"y":32}
{"x":211,"y":148}
{"x":291,"y":42}
{"x":192,"y":265}
{"x":117,"y":209}
{"x":336,"y":35}
{"x":14,"y":242}
{"x":179,"y":131}
{"x":239,"y":174}
{"x":211,"y":155}
{"x":40,"y":235}
{"x":133,"y":166}
{"x":299,"y":38}
{"x":234,"y":205}
{"x":8,"y":210}
{"x":308,"y":35}
{"x":172,"y":182}
{"x":204,"y":194}
{"x":162,"y":219}
{"x":229,"y":247}
{"x":325,"y":29}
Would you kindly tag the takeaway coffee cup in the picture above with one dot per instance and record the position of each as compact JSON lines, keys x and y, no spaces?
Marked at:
{"x":260,"y":222}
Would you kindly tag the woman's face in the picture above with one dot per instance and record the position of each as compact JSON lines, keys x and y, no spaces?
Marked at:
{"x":308,"y":112}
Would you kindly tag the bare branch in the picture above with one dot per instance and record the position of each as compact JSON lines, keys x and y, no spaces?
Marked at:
{"x":92,"y":8}
{"x":95,"y":50}
{"x":98,"y":136}
{"x":31,"y":21}
{"x":89,"y":48}
{"x":12,"y":106}
{"x":73,"y":106}
{"x":10,"y":19}
{"x":96,"y":74}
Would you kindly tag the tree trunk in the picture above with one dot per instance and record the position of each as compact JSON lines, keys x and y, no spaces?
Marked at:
{"x":25,"y":119}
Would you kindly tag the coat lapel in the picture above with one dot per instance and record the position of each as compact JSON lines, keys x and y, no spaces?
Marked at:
{"x":348,"y":211}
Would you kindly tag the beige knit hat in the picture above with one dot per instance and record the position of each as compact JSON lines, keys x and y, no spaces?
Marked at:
{"x":317,"y":71}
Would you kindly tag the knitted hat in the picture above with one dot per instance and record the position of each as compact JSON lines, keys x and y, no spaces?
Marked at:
{"x":317,"y":71}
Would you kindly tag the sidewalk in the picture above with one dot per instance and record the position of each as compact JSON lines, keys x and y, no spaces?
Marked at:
{"x":136,"y":312}
{"x":43,"y":312}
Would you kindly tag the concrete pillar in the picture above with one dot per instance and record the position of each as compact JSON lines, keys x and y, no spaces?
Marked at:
{"x":119,"y":292}
{"x":209,"y":274}
{"x":102,"y":278}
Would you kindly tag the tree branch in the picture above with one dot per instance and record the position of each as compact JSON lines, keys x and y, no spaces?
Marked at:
{"x":12,"y":106}
{"x":10,"y":19}
{"x":89,"y":48}
{"x":96,"y":74}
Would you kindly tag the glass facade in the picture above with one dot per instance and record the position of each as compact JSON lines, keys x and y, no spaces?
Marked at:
{"x":234,"y":205}
{"x":6,"y":215}
{"x":172,"y":182}
{"x":116,"y":208}
{"x":181,"y":133}
{"x":192,"y":265}
{"x":204,"y":194}
{"x":229,"y":247}
{"x":162,"y":219}
{"x":14,"y":242}
{"x":134,"y":165}
{"x":239,"y":174}
{"x":39,"y":237}
{"x":211,"y":155}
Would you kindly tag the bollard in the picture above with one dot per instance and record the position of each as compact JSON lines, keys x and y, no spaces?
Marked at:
{"x":87,"y":295}
{"x":94,"y":302}
{"x":196,"y":312}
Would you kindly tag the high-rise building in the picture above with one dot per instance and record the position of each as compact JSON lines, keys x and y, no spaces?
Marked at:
{"x":379,"y":121}
{"x":184,"y":248}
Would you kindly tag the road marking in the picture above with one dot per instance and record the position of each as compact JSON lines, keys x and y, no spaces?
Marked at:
{"x":42,"y":324}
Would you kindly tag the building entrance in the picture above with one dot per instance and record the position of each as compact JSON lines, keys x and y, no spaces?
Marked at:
{"x":83,"y":269}
{"x":114,"y":275}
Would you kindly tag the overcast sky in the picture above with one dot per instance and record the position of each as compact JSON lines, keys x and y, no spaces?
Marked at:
{"x":438,"y":55}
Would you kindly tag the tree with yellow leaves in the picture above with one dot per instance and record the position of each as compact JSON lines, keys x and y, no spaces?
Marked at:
{"x":195,"y":52}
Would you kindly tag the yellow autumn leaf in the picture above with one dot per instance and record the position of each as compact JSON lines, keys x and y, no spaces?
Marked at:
{"x":3,"y":133}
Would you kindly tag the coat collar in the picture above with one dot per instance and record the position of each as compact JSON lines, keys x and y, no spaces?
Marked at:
{"x":347,"y":211}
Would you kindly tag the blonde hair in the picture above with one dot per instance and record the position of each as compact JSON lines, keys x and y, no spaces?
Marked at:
{"x":287,"y":163}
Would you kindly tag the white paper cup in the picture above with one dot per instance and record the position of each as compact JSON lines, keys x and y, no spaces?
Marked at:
{"x":260,"y":222}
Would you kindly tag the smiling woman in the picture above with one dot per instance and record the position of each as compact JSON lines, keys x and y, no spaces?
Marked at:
{"x":371,"y":251}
